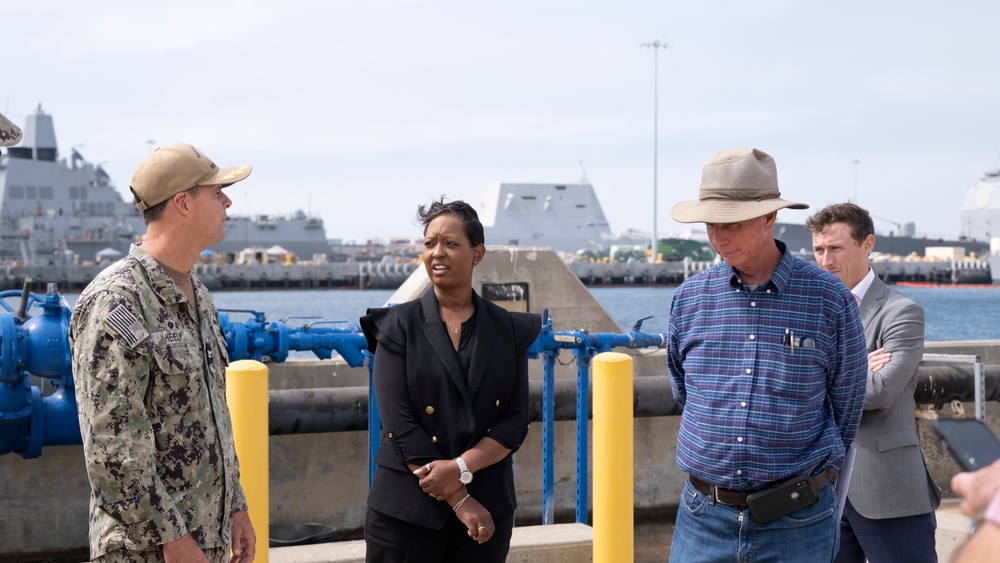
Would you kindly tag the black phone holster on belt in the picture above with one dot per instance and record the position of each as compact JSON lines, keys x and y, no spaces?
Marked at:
{"x":784,"y":498}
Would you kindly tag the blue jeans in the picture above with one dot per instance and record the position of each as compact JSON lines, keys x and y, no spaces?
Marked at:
{"x":713,"y":532}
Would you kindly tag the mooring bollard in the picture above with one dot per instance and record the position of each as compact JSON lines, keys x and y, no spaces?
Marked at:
{"x":246,"y":394}
{"x":613,"y":462}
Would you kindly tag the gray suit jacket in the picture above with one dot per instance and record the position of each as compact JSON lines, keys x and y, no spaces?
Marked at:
{"x":890,"y":479}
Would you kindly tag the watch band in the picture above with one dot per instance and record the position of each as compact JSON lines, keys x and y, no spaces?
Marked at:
{"x":465,"y":476}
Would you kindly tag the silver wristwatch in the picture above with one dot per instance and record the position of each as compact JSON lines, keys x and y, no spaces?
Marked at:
{"x":465,"y":477}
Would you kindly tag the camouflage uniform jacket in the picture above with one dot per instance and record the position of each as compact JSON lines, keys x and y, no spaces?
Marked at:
{"x":150,"y":383}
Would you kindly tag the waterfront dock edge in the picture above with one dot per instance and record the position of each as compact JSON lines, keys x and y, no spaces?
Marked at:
{"x":573,"y":543}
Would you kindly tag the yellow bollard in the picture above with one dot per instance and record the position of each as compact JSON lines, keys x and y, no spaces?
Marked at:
{"x":613,"y":462}
{"x":246,"y":394}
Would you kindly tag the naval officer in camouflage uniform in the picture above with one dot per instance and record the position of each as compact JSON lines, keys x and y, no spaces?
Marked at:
{"x":149,"y":363}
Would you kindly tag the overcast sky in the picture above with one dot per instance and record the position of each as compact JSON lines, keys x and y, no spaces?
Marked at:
{"x":358,"y":111}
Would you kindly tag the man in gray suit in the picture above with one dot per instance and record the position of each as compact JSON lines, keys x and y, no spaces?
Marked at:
{"x":889,"y":513}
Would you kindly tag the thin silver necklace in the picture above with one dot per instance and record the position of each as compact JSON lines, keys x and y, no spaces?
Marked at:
{"x":454,"y":329}
{"x":447,"y":324}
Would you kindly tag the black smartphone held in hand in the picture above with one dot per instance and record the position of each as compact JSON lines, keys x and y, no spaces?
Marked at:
{"x":970,"y":441}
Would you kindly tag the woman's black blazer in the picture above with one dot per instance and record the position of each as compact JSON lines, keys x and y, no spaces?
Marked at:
{"x":428,"y":411}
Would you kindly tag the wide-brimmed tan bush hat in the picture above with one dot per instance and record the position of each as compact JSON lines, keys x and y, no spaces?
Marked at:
{"x":736,"y":185}
{"x":172,"y":169}
{"x":10,"y":134}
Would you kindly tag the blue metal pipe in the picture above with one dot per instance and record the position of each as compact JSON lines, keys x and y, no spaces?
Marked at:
{"x":15,"y":417}
{"x":548,"y":435}
{"x":585,"y":346}
{"x":256,"y":338}
{"x":59,"y":421}
{"x":374,"y":419}
{"x":583,"y":357}
{"x":39,"y":346}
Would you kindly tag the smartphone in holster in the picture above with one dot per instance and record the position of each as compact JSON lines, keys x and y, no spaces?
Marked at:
{"x":784,"y":498}
{"x":970,"y":441}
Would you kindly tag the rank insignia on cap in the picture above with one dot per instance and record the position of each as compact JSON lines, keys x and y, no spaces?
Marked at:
{"x":126,"y":326}
{"x":233,"y":173}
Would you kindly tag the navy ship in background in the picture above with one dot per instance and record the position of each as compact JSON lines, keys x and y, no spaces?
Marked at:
{"x":980,"y":210}
{"x":565,"y":217}
{"x":569,"y":218}
{"x":64,"y":211}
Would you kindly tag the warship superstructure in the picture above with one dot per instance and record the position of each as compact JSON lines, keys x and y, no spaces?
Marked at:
{"x":564,"y":217}
{"x":58,"y":210}
{"x":980,"y":210}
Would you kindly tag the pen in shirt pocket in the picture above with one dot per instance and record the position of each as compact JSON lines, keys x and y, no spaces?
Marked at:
{"x":794,"y":342}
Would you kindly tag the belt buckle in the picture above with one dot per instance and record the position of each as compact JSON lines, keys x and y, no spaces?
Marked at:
{"x":715,"y":495}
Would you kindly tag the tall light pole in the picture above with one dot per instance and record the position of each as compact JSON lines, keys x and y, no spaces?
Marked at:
{"x":655,"y":46}
{"x":855,"y":162}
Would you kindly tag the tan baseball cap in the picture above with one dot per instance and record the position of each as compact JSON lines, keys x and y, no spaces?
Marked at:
{"x":172,"y":169}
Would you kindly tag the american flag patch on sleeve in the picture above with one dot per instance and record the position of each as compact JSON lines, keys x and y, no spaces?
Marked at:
{"x":126,"y":326}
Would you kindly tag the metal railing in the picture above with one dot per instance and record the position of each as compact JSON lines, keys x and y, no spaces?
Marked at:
{"x":979,"y":383}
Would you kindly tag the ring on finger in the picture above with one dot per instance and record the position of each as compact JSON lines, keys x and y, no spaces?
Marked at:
{"x":482,"y":527}
{"x":427,"y":467}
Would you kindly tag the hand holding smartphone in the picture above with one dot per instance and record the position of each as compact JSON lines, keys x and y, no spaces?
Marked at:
{"x":970,"y":441}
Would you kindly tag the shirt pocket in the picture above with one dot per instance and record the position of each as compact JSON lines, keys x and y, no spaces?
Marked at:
{"x":177,"y":381}
{"x":798,"y":376}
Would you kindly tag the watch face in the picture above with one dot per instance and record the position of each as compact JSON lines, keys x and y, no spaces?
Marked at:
{"x":465,"y":478}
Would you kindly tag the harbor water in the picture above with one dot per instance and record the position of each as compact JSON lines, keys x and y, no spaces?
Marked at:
{"x":951,"y":313}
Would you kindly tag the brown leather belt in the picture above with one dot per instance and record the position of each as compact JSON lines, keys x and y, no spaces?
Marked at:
{"x":739,"y":498}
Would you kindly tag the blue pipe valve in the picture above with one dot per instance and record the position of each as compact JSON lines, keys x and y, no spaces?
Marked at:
{"x":551,"y":340}
{"x":257,"y":338}
{"x":36,"y":345}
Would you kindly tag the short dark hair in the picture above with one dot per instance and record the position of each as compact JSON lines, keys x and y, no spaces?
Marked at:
{"x":856,"y":217}
{"x":458,"y":208}
{"x":151,"y":214}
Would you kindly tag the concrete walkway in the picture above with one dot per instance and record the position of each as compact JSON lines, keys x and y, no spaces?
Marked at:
{"x":573,"y":543}
{"x":559,"y":543}
{"x":952,"y":529}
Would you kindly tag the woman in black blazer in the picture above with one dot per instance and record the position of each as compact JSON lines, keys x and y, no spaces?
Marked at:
{"x":451,"y":380}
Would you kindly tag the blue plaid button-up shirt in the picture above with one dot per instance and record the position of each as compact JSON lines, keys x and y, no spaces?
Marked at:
{"x":772,"y":379}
